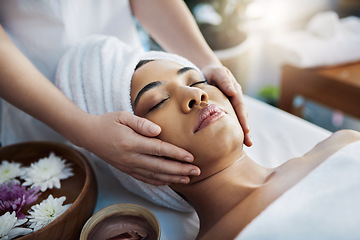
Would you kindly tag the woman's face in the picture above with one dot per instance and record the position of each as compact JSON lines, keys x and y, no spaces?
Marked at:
{"x":192,"y":114}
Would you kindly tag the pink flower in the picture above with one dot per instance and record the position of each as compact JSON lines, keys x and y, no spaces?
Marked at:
{"x":13,"y":197}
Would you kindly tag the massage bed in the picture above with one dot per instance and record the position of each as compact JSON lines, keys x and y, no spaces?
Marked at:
{"x":277,"y":137}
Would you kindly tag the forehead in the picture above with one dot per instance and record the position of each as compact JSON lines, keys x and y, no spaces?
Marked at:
{"x":157,"y":70}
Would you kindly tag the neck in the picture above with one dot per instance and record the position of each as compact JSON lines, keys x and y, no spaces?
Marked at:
{"x":217,"y":194}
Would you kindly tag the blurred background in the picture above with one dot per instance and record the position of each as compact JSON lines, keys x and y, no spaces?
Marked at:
{"x":255,"y":38}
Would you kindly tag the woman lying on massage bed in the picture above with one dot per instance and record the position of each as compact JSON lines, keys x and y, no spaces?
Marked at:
{"x":232,"y":189}
{"x":313,"y":196}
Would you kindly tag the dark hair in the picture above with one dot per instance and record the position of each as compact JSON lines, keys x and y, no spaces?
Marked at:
{"x":142,"y":62}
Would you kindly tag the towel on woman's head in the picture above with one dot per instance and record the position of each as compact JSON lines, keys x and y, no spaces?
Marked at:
{"x":96,"y":74}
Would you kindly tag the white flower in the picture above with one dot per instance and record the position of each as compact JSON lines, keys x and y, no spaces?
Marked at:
{"x":46,"y":212}
{"x":47,"y":172}
{"x":9,"y":226}
{"x":9,"y":171}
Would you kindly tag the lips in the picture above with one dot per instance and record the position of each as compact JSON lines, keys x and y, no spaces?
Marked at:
{"x":208,"y":115}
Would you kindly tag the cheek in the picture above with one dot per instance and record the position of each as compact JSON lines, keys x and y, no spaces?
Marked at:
{"x":174,"y":128}
{"x":217,"y":97}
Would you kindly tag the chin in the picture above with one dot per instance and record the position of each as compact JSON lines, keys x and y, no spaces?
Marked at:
{"x":225,"y":131}
{"x":220,"y":143}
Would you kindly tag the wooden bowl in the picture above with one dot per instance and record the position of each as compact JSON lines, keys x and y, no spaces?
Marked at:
{"x":120,"y":219}
{"x":79,"y":189}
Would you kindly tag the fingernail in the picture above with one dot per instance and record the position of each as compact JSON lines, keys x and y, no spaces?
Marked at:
{"x":232,"y":89}
{"x":154,"y":129}
{"x":183,"y":180}
{"x":194,"y":172}
{"x":188,"y":159}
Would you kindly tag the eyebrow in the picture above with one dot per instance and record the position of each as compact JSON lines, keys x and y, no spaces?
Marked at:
{"x":144,"y":90}
{"x":184,"y":69}
{"x":157,"y":83}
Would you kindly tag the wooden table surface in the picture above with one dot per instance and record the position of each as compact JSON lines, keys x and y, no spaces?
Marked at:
{"x":335,"y":87}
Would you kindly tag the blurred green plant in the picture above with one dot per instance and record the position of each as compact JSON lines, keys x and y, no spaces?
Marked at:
{"x":269,"y":94}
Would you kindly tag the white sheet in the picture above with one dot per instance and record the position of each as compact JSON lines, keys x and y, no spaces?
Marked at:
{"x":323,"y":205}
{"x":277,"y":136}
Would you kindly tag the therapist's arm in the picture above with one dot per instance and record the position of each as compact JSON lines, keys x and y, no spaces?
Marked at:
{"x":172,"y":25}
{"x":114,"y":137}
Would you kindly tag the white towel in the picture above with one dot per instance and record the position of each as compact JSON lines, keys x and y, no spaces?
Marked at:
{"x":96,"y":74}
{"x":326,"y":41}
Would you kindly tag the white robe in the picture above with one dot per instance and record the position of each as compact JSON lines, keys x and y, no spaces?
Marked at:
{"x":43,"y":30}
{"x":324,"y":205}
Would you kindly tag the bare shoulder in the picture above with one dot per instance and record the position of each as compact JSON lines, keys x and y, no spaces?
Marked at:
{"x":332,"y":144}
{"x":338,"y":140}
{"x":347,"y":134}
{"x":341,"y":138}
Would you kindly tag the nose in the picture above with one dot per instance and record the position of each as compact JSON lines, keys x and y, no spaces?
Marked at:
{"x":192,"y":97}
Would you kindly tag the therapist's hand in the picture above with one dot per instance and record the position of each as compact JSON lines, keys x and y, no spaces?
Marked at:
{"x":221,"y":77}
{"x":126,"y":142}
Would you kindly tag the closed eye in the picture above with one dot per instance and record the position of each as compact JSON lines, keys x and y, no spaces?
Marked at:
{"x":158,"y":104}
{"x":164,"y":100}
{"x":200,"y":82}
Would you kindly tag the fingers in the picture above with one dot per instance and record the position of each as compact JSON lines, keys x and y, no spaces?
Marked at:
{"x":150,"y":146}
{"x":161,"y":171}
{"x":160,"y":165}
{"x":156,"y":147}
{"x":226,"y":82}
{"x":140,"y":125}
{"x":143,"y":157}
{"x":230,"y":88}
{"x":238,"y":103}
{"x":148,"y":159}
{"x":155,"y":163}
{"x":220,"y":77}
{"x":159,"y":178}
{"x":247,"y":140}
